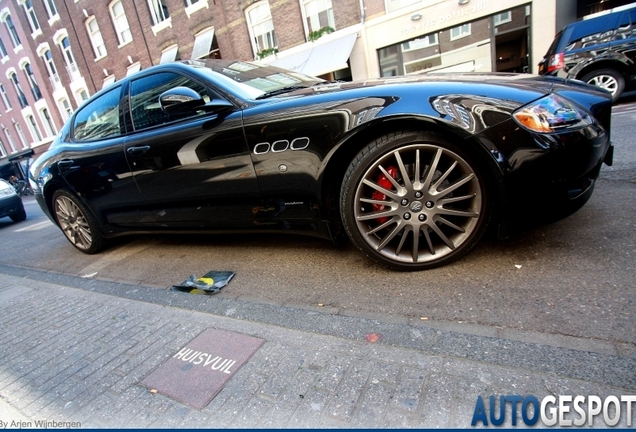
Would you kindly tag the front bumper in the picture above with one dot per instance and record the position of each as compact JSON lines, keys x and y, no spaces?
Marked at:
{"x":10,"y":205}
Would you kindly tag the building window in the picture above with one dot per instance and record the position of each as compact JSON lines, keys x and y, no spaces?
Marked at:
{"x":51,"y":10}
{"x":3,"y":50}
{"x":23,"y":139}
{"x":121,"y":23}
{"x":195,"y":5}
{"x":460,"y":31}
{"x":170,"y":54}
{"x":203,"y":44}
{"x":30,"y":13}
{"x":133,"y":68}
{"x":3,"y":153}
{"x":5,"y":99}
{"x":33,"y":84}
{"x":18,"y":90}
{"x":69,"y":59}
{"x":108,"y":81}
{"x":12,"y":32}
{"x":51,"y":69}
{"x":419,"y":43}
{"x":10,"y":140}
{"x":33,"y":128}
{"x":261,"y":27}
{"x":502,"y":18}
{"x":83,"y":94}
{"x":318,"y":15}
{"x":48,"y":122}
{"x":96,"y":38}
{"x":65,"y":108}
{"x":158,"y":11}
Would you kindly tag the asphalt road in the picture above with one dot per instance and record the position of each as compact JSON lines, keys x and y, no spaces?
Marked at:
{"x":573,"y":277}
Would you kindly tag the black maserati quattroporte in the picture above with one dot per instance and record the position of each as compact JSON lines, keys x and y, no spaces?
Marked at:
{"x":411,"y":169}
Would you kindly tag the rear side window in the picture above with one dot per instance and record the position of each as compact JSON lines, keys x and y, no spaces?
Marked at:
{"x":99,"y":119}
{"x":144,"y":98}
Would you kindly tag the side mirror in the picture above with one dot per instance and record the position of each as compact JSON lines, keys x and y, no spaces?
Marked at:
{"x":180,"y":100}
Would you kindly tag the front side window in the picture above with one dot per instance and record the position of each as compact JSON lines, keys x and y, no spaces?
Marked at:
{"x":96,"y":38}
{"x":99,"y":119}
{"x":120,"y":22}
{"x":33,"y":84}
{"x":144,"y":98}
{"x":261,"y":27}
{"x":158,"y":11}
{"x":318,"y":16}
{"x":12,"y":32}
{"x":30,"y":13}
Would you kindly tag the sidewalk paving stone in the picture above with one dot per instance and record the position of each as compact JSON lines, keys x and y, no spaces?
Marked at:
{"x":72,"y":353}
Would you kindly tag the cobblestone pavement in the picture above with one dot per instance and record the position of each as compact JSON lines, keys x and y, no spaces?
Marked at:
{"x":77,"y":354}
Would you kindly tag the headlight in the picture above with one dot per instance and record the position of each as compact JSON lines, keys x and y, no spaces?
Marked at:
{"x":551,"y":114}
{"x":6,"y":191}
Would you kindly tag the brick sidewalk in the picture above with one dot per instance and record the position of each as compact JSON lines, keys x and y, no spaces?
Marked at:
{"x":72,"y":355}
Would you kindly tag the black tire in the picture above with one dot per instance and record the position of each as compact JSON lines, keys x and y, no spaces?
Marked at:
{"x":19,"y":216}
{"x":77,"y":222}
{"x":607,"y":79}
{"x":448,"y":206}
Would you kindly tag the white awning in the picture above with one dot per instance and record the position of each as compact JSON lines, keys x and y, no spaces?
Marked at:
{"x":319,"y":59}
{"x":169,"y":54}
{"x":203,"y":43}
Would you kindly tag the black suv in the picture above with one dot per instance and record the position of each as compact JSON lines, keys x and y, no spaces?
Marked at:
{"x":600,"y":51}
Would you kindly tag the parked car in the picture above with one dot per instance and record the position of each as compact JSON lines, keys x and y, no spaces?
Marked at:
{"x":600,"y":51}
{"x":10,"y":202}
{"x":412,"y":169}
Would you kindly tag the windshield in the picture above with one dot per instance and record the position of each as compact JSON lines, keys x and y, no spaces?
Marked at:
{"x":256,"y":79}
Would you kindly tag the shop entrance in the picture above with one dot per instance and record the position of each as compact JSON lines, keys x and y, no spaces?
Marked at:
{"x":511,"y":51}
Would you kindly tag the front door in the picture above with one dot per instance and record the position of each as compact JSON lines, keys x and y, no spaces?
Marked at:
{"x":193,"y":170}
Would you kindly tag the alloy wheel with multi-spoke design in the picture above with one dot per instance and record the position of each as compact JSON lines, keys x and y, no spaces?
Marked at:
{"x":75,"y":222}
{"x":607,"y":79}
{"x":416,"y":205}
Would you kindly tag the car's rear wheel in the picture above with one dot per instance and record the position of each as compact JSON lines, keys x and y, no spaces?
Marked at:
{"x":414,"y":201}
{"x":607,"y":79}
{"x":77,"y":223}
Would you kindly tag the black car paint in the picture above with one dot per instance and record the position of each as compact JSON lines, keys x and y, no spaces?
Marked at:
{"x":137,"y":183}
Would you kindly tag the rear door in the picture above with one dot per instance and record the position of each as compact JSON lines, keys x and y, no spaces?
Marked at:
{"x":93,"y":161}
{"x":193,"y":170}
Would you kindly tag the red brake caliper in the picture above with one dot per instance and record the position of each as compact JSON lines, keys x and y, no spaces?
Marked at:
{"x":384,"y":182}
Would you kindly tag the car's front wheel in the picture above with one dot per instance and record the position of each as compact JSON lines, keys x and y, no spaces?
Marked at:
{"x":77,"y":223}
{"x":19,"y":216}
{"x":414,"y":201}
{"x":607,"y":79}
